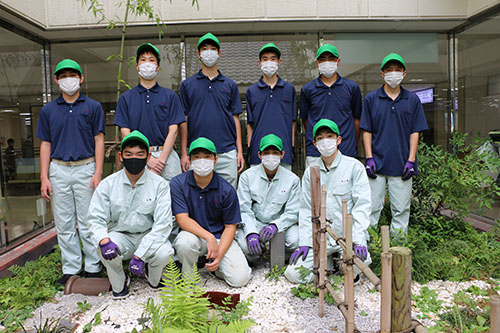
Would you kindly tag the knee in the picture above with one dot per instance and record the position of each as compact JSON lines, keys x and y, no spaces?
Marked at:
{"x":292,"y":238}
{"x":162,"y":255}
{"x":240,"y":277}
{"x":186,"y":242}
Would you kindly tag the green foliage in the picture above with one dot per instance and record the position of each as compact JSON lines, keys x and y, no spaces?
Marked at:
{"x":427,"y":302}
{"x":83,"y":306}
{"x":94,"y":322}
{"x":308,"y":290}
{"x":50,"y":326}
{"x":29,"y":287}
{"x":275,"y":273}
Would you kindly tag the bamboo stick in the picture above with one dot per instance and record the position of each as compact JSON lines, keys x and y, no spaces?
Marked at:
{"x":385,"y":238}
{"x":315,"y":211}
{"x":385,"y":299}
{"x":322,"y":253}
{"x":344,"y":216}
{"x":348,"y":275}
{"x":495,"y":313}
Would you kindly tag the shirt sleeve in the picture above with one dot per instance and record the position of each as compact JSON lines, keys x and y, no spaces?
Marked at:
{"x":361,"y":197}
{"x":291,"y":213}
{"x":121,"y":114}
{"x":231,"y":209}
{"x":43,"y":128}
{"x":184,"y":98}
{"x":99,"y":213}
{"x":248,"y":98}
{"x":99,"y":121}
{"x":356,"y":102}
{"x":162,"y":225}
{"x":235,"y":99}
{"x":177,"y":116}
{"x":419,"y":121}
{"x":179,"y":204}
{"x":366,"y":117}
{"x":294,"y":104}
{"x":304,"y":103}
{"x":248,"y":219}
{"x":305,"y":224}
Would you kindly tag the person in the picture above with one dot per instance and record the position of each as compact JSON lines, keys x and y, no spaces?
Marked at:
{"x":71,"y":129}
{"x":271,"y":107}
{"x":153,"y":110}
{"x":130,"y":217}
{"x":345,"y":178}
{"x":10,"y":160}
{"x":269,"y":196}
{"x":212,"y":105}
{"x":207,"y":210}
{"x":391,"y":121}
{"x":331,"y":96}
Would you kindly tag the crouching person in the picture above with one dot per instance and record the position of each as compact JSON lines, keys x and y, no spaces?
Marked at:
{"x":345,"y":178}
{"x":207,"y":210}
{"x":269,"y":197}
{"x":130,"y":217}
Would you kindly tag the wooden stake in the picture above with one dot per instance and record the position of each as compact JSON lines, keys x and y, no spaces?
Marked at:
{"x":344,"y":216}
{"x":315,"y":210}
{"x":385,"y":238}
{"x":495,"y":313}
{"x":385,"y":299}
{"x":322,"y":253}
{"x":348,"y":276}
{"x":401,"y":289}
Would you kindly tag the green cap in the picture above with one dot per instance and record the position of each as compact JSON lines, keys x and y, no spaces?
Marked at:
{"x":271,"y":140}
{"x":135,"y":135}
{"x":327,"y":48}
{"x":270,"y":47}
{"x":67,"y":64}
{"x":204,"y":143}
{"x":393,"y":57}
{"x":208,"y":36}
{"x":326,"y":123}
{"x":148,"y":46}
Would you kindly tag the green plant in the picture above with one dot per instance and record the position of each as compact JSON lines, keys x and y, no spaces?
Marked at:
{"x":275,"y":273}
{"x":427,"y":302}
{"x":83,"y":306}
{"x":49,"y":326}
{"x":94,"y":322}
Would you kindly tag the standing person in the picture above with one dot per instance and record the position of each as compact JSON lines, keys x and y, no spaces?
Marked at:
{"x":10,"y":160}
{"x":71,"y":130}
{"x":153,"y":110}
{"x":391,"y":121}
{"x":207,"y":210}
{"x":130,"y":217}
{"x":331,"y":96}
{"x":345,"y":178}
{"x":212,"y":105}
{"x":271,"y":107}
{"x":269,"y":196}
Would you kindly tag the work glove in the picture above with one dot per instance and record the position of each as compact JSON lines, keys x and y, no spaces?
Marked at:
{"x":136,"y":266}
{"x":109,"y":250}
{"x":268,"y":232}
{"x":371,"y":167}
{"x":253,"y":243}
{"x":360,"y":251}
{"x":301,"y":251}
{"x":409,"y":170}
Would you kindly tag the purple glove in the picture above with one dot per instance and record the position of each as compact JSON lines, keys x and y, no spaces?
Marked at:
{"x":109,"y":250}
{"x":371,"y":167}
{"x":136,"y":265}
{"x":253,"y":242}
{"x":267,"y":233}
{"x":301,"y":251}
{"x":360,"y":251}
{"x":409,"y":170}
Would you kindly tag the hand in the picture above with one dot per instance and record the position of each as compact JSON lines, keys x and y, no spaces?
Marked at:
{"x":241,"y":161}
{"x":212,"y":248}
{"x":360,"y":251}
{"x":156,"y":165}
{"x":371,"y":167}
{"x":109,"y":250}
{"x":136,"y":266}
{"x":409,"y":170}
{"x":268,"y":232}
{"x":253,"y":243}
{"x":214,"y":265}
{"x":96,"y":179}
{"x":185,"y":162}
{"x":301,"y":251}
{"x":46,"y":189}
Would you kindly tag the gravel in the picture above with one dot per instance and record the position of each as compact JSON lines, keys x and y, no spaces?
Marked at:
{"x":274,"y":308}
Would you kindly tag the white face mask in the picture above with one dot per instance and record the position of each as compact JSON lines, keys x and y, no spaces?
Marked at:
{"x":69,"y":85}
{"x":209,"y":57}
{"x":147,"y":70}
{"x":271,"y":162}
{"x":327,"y":147}
{"x":393,"y":79}
{"x":269,"y":68}
{"x":202,"y":167}
{"x":327,"y":68}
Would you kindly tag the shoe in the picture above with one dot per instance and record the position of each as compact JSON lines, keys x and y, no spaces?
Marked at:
{"x":357,"y":279}
{"x":93,"y":275}
{"x":62,"y":281}
{"x":160,"y":285}
{"x":124,"y":293}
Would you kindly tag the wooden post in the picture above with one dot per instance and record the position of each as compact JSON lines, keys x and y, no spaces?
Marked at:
{"x":385,"y":238}
{"x":322,"y":253}
{"x":344,"y":217}
{"x":348,"y":275}
{"x":495,"y":313}
{"x":315,"y":210}
{"x":401,"y":289}
{"x":385,"y":297}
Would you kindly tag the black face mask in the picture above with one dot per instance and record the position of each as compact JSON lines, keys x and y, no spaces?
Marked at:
{"x":134,"y":165}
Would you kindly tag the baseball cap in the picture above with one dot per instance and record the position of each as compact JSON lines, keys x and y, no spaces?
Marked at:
{"x":148,"y":46}
{"x":327,"y":48}
{"x":135,"y":135}
{"x":270,"y":47}
{"x":67,"y":64}
{"x":208,"y":36}
{"x":326,"y":123}
{"x":393,"y":57}
{"x":204,"y":143}
{"x":271,"y":140}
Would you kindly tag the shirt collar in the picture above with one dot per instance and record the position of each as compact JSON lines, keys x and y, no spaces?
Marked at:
{"x":154,"y":88}
{"x":334,"y":165}
{"x":60,"y":99}
{"x":219,"y":77}
{"x":262,"y":84}
{"x":140,"y":181}
{"x":402,"y":95}
{"x":263,"y":173}
{"x":338,"y":82}
{"x":192,"y":182}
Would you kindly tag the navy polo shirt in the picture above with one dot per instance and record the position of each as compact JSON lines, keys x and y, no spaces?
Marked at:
{"x":212,"y":207}
{"x":340,"y":103}
{"x":150,"y":111}
{"x":71,"y":128}
{"x":391,"y":122}
{"x":271,"y":111}
{"x":210,"y":106}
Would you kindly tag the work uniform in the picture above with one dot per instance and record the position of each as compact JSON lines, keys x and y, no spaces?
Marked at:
{"x":151,"y":112}
{"x":341,"y":103}
{"x":271,"y":111}
{"x":391,"y":123}
{"x":346,"y":179}
{"x":212,"y":208}
{"x":70,"y":129}
{"x":210,"y":106}
{"x":264,"y":201}
{"x":138,"y":219}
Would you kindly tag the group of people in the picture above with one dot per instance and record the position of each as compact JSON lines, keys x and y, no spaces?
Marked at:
{"x":161,"y":206}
